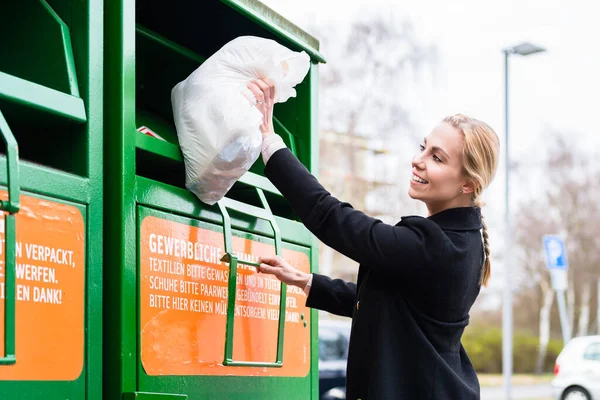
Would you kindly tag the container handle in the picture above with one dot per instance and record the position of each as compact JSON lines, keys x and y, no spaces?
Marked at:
{"x":11,"y":207}
{"x":230,"y":257}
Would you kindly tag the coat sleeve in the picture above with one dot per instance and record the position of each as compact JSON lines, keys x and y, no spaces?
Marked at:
{"x":332,"y":295}
{"x":408,"y":249}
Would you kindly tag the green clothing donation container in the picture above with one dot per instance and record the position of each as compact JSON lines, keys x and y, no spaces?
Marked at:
{"x":51,"y":199}
{"x":185,"y":313}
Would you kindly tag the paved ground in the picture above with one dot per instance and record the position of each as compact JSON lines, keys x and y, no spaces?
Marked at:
{"x":519,"y":392}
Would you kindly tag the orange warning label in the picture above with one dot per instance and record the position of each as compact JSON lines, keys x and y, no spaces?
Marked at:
{"x":50,"y":265}
{"x":184,"y":292}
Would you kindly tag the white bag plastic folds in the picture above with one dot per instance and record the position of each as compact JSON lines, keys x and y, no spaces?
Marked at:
{"x":215,"y":115}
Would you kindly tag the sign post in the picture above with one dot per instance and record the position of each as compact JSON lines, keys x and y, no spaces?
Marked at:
{"x":556,"y":260}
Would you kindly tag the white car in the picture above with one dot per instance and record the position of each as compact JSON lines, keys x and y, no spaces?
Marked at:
{"x":577,"y":370}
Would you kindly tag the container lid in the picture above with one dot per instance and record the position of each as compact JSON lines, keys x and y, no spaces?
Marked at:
{"x":277,"y":24}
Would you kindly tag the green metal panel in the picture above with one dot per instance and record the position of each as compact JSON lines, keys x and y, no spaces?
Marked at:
{"x":284,"y":29}
{"x":33,"y":96}
{"x":51,"y":95}
{"x":53,"y":89}
{"x":179,"y":62}
{"x":120,"y":350}
{"x":264,"y":214}
{"x":57,"y":184}
{"x":154,"y":45}
{"x":43,"y":35}
{"x":168,"y":198}
{"x":169,"y":55}
{"x":230,"y":387}
{"x":55,"y":390}
{"x":11,"y":207}
{"x":153,"y":396}
{"x":311,"y":110}
{"x":88,"y":39}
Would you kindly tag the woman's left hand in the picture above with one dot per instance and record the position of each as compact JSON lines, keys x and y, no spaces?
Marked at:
{"x":264,"y":92}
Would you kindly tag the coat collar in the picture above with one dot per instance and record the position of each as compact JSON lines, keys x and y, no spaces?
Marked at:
{"x":457,"y":219}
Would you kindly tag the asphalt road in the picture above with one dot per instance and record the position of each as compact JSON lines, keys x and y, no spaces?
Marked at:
{"x":528,"y":392}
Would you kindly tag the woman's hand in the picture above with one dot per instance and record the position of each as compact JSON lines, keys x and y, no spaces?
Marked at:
{"x":283,"y":271}
{"x":264,"y":91}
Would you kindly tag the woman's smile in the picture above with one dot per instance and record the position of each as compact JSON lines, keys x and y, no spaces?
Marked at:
{"x":418,"y":180}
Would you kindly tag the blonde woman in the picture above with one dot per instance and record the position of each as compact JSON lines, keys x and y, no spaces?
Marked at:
{"x":417,"y":279}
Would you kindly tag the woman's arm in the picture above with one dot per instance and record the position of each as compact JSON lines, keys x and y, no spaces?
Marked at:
{"x":331,"y":295}
{"x":403,"y":250}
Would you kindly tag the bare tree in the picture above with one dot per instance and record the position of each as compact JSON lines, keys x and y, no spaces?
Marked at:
{"x":363,"y":106}
{"x":566,"y":206}
{"x":371,"y":68}
{"x":532,"y":223}
{"x":576,"y":188}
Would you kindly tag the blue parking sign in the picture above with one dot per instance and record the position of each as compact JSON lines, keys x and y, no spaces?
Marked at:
{"x":556,"y":252}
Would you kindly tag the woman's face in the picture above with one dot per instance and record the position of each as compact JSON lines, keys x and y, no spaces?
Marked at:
{"x":437,"y":177}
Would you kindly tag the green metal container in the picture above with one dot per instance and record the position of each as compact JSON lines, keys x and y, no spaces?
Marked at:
{"x":185,"y":314}
{"x":51,"y":189}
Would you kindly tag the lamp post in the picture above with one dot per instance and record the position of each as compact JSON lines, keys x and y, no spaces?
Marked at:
{"x":523,"y":49}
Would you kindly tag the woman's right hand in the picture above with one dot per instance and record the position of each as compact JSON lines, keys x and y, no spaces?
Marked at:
{"x":283,"y":271}
{"x":264,"y":92}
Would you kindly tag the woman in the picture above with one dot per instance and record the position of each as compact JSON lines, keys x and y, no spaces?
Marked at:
{"x":417,"y":280}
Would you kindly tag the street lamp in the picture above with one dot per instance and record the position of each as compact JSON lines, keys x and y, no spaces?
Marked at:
{"x":523,"y":49}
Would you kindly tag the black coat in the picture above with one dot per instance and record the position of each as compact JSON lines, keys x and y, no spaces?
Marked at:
{"x":416,"y":284}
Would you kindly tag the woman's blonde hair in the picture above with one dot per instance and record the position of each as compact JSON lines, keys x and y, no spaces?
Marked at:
{"x":480,"y":159}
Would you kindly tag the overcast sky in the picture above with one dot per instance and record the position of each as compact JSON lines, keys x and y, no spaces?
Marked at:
{"x":556,"y":89}
{"x":553,"y":90}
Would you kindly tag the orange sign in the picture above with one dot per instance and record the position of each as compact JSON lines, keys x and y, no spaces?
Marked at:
{"x":184,"y":305}
{"x":50,"y":270}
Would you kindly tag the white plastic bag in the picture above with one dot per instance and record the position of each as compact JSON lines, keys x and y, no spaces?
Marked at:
{"x":215,"y":115}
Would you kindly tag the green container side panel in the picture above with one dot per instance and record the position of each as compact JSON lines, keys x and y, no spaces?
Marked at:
{"x":233,"y":388}
{"x":153,"y":396}
{"x":153,"y":46}
{"x":25,"y":99}
{"x":172,"y":173}
{"x":166,"y":54}
{"x":40,"y":97}
{"x":314,"y":317}
{"x":87,"y":27}
{"x":44,"y":39}
{"x":51,"y":89}
{"x":229,"y":387}
{"x":48,"y":107}
{"x":57,"y":390}
{"x":33,"y":390}
{"x":285,"y":30}
{"x":57,"y":184}
{"x":119,"y":327}
{"x":314,"y":168}
{"x":172,"y":199}
{"x":313,"y":121}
